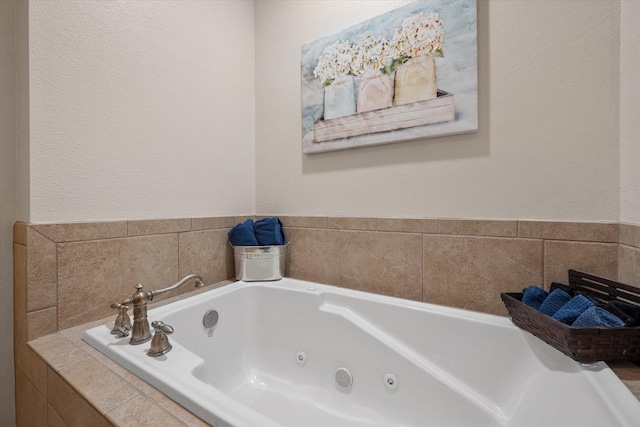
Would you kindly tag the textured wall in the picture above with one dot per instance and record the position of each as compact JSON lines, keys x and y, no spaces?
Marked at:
{"x":123,"y":96}
{"x":629,"y":113}
{"x":547,"y":147}
{"x":141,"y":109}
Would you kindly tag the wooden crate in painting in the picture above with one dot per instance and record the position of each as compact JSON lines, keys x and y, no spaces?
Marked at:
{"x":440,"y":109}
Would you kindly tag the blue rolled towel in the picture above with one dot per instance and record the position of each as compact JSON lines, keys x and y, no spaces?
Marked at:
{"x":554,"y":302}
{"x":269,"y":231}
{"x":569,"y":312}
{"x":533,"y":296}
{"x":566,"y":288}
{"x":596,"y":316}
{"x":596,"y":301}
{"x":243,"y":235}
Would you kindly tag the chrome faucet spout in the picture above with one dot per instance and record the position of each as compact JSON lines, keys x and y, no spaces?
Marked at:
{"x":199,"y":284}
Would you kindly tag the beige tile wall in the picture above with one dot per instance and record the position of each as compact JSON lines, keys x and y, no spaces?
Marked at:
{"x":68,"y":274}
{"x":456,"y":262}
{"x":75,"y":271}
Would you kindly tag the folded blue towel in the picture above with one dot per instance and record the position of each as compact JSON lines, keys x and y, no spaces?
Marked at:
{"x":554,"y":302}
{"x":243,"y":235}
{"x":533,"y":296}
{"x":596,"y":301}
{"x":569,"y":312}
{"x":269,"y":231}
{"x":568,"y":289}
{"x":596,"y":316}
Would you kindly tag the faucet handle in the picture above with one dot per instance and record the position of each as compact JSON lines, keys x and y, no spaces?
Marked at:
{"x":160,"y":343}
{"x":117,"y":305}
{"x":122,"y":324}
{"x":162,"y":327}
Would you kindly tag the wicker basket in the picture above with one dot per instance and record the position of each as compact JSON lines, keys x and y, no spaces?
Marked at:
{"x":582,"y":344}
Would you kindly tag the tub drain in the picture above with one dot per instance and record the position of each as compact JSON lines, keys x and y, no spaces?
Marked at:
{"x":344,"y":378}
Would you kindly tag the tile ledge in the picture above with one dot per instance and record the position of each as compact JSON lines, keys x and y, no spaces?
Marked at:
{"x":73,"y":335}
{"x":109,"y":364}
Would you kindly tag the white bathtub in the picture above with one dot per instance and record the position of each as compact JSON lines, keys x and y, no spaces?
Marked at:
{"x":412,"y":364}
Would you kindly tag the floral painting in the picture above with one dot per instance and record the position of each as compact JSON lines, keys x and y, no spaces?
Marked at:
{"x":408,"y":74}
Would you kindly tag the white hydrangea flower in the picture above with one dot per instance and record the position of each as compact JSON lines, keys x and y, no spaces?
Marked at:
{"x":420,"y":34}
{"x":373,"y":54}
{"x":336,"y":60}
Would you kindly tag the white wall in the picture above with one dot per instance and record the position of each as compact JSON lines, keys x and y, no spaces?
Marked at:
{"x":548,"y":144}
{"x":141,"y":109}
{"x":630,"y":113}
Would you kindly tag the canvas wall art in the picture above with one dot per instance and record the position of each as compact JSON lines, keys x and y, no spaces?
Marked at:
{"x":408,"y":74}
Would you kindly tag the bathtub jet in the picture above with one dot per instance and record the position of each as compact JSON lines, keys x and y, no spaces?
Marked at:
{"x":296,"y":353}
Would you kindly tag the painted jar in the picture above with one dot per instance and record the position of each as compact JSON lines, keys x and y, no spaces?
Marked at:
{"x":340,"y":98}
{"x":375,"y":92}
{"x":416,"y":80}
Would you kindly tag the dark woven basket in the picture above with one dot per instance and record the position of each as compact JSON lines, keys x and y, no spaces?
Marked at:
{"x":582,"y":344}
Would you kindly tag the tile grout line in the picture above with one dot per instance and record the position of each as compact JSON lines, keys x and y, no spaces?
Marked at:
{"x":57,"y":287}
{"x":178,"y":255}
{"x":544,"y":264}
{"x":423,"y":267}
{"x":618,"y":258}
{"x":337,"y":279}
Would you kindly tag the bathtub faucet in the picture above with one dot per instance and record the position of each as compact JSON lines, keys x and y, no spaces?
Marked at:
{"x":140,"y":331}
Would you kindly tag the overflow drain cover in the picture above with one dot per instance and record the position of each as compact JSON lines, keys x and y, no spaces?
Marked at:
{"x":344,"y":378}
{"x":210,"y":319}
